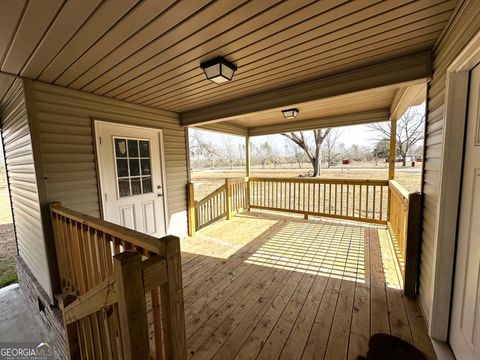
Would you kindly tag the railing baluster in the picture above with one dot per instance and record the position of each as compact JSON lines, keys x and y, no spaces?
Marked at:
{"x":366,"y":205}
{"x":381,"y":203}
{"x":360,"y":202}
{"x":348,"y":195}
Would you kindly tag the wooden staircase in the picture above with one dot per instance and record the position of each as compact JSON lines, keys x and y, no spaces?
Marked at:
{"x":122,"y":294}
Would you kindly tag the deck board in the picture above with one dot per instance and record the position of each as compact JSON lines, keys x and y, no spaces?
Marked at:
{"x":266,"y":286}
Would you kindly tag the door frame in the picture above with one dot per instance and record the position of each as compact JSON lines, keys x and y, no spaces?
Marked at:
{"x":159,"y":131}
{"x":446,"y":231}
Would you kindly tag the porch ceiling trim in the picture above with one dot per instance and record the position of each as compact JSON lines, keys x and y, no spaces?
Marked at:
{"x":398,"y":70}
{"x":225,"y":127}
{"x":362,"y":117}
{"x":406,"y":97}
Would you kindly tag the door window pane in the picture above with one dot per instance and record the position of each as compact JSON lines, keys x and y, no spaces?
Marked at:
{"x":144,"y":148}
{"x":134,"y":173}
{"x":147,"y":185}
{"x":132,"y":148}
{"x":122,"y":168}
{"x":134,"y":167}
{"x":124,"y":187}
{"x":120,"y":148}
{"x":145,"y":166}
{"x":136,"y":186}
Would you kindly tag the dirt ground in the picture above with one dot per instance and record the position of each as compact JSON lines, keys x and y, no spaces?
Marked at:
{"x":207,"y":181}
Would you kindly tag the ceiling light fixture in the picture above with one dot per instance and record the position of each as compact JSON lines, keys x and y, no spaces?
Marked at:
{"x":218,"y":70}
{"x":290,"y":113}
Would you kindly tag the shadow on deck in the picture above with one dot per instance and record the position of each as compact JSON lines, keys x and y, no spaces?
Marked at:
{"x":265,"y":286}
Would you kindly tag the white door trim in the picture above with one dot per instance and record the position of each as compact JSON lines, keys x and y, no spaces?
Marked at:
{"x":98,"y":165}
{"x":456,"y":100}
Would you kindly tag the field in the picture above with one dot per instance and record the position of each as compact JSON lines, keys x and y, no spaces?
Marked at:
{"x":208,"y":180}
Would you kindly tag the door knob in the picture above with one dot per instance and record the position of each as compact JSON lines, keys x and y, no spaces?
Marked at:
{"x":159,"y":195}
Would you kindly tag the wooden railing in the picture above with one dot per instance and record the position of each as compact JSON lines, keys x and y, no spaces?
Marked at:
{"x":230,"y":198}
{"x":237,"y":195}
{"x":111,"y":278}
{"x":211,"y":208}
{"x":351,"y":199}
{"x":404,"y":227}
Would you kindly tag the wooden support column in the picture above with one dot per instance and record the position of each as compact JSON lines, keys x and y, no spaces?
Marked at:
{"x":391,"y":159}
{"x":173,"y":309}
{"x":228,"y":199}
{"x":247,"y":156}
{"x":191,"y":209}
{"x":131,"y":305}
{"x":247,"y":172}
{"x":393,"y":147}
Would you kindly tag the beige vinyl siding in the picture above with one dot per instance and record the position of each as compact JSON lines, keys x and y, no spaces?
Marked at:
{"x":462,"y":27}
{"x":23,"y":184}
{"x":65,"y":119}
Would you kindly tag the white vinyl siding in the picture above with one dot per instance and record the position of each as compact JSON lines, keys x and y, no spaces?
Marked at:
{"x":462,"y":27}
{"x":21,"y":173}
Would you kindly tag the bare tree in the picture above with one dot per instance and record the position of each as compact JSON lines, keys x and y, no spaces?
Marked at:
{"x":229,"y":150}
{"x":311,"y":150}
{"x":202,"y":149}
{"x":409,"y":131}
{"x":295,"y":152}
{"x":263,"y":153}
{"x":330,"y":146}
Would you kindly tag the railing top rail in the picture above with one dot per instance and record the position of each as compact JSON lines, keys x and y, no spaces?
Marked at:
{"x":323,"y":180}
{"x":237,"y":179}
{"x":150,"y":243}
{"x":211,"y":195}
{"x":399,"y":189}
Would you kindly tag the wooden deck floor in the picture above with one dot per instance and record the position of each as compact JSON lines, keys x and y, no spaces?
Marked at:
{"x":263,"y":286}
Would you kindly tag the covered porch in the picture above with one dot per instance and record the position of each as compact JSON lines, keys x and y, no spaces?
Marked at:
{"x":268,"y":285}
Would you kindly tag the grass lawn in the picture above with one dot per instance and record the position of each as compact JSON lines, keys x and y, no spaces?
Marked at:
{"x":8,"y":273}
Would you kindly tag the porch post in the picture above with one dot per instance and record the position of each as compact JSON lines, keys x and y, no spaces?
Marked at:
{"x":127,"y":269}
{"x":391,"y":160}
{"x":393,"y":146}
{"x":247,"y":156}
{"x":247,"y":172}
{"x":191,"y":209}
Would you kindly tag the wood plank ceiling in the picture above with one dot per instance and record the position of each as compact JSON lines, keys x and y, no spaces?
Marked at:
{"x":148,"y":52}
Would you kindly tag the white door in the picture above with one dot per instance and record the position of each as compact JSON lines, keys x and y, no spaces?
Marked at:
{"x":465,"y":322}
{"x":130,"y":167}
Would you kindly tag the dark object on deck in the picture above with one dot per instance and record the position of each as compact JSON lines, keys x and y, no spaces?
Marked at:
{"x":388,"y":347}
